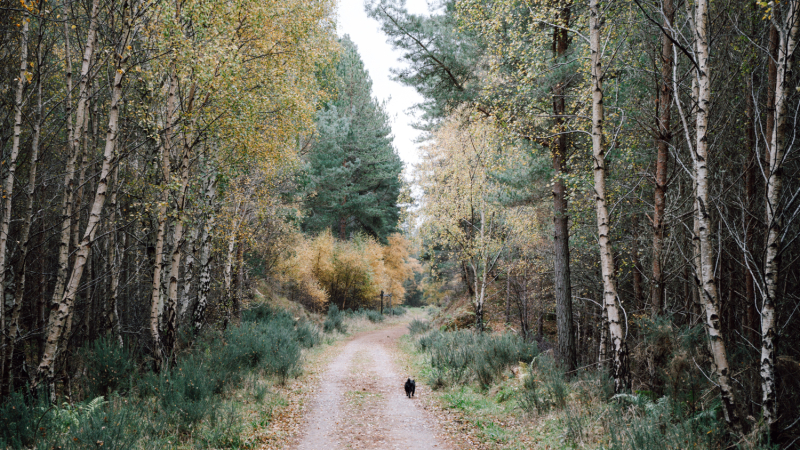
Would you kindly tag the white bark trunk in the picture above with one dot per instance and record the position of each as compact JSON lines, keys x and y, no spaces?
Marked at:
{"x":19,"y":282}
{"x":787,"y":32}
{"x":46,"y":369}
{"x":11,"y":167}
{"x":198,"y":315}
{"x":619,"y":366}
{"x":166,"y":164}
{"x":709,"y":296}
{"x":116,"y":257}
{"x":73,"y":138}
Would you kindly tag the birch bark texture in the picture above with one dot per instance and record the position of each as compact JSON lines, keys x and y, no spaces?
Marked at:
{"x":619,"y":367}
{"x":11,"y":165}
{"x":60,"y":316}
{"x":787,"y":24}
{"x":707,"y":282}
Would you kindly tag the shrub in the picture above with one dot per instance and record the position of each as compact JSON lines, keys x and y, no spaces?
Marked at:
{"x":270,"y":346}
{"x":335,"y":320}
{"x":19,"y":416}
{"x":418,"y":326}
{"x":110,"y":424}
{"x":460,"y":355}
{"x":109,"y":366}
{"x":373,"y":316}
{"x":637,"y":423}
{"x":307,"y":334}
{"x":396,"y":311}
{"x":544,"y":387}
{"x":185,"y":392}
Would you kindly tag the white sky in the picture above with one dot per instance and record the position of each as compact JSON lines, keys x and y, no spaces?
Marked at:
{"x":379,"y":57}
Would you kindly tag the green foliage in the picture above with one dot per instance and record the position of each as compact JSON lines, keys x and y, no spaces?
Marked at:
{"x":353,"y":171}
{"x":396,"y":311}
{"x":225,"y":428}
{"x":639,"y":423}
{"x":269,"y":346}
{"x":335,"y":320}
{"x":20,"y":414}
{"x":544,"y":387}
{"x":109,"y":366}
{"x":419,"y":326}
{"x":114,"y":424}
{"x":185,"y":400}
{"x":444,"y":70}
{"x":307,"y":334}
{"x":369,"y":314}
{"x":462,"y":355}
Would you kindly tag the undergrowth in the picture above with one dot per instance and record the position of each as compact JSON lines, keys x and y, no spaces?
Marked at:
{"x":193,"y":403}
{"x":510,"y":397}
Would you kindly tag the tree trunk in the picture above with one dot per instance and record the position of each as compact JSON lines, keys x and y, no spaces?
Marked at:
{"x":637,"y":265}
{"x":562,"y":283}
{"x":508,"y":297}
{"x":73,"y":140}
{"x":46,"y":369}
{"x":19,"y":282}
{"x":749,"y":219}
{"x":237,"y":304}
{"x":787,"y":43}
{"x":198,"y":315}
{"x":664,"y":138}
{"x":158,"y":267}
{"x":708,"y":295}
{"x":11,"y":167}
{"x":116,"y":256}
{"x":619,"y":367}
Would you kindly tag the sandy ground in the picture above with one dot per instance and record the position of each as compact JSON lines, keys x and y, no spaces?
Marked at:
{"x":360,"y":403}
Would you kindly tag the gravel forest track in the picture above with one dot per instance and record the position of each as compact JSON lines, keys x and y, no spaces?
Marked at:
{"x":360,"y":402}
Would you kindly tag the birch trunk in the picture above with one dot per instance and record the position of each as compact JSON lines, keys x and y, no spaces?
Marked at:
{"x":619,"y":366}
{"x":74,"y":138}
{"x":198,"y":315}
{"x":228,"y":271}
{"x":188,"y":277}
{"x":708,"y":288}
{"x":19,"y":282}
{"x":116,"y":257}
{"x":158,"y":267}
{"x":61,"y":315}
{"x":11,"y":167}
{"x":171,"y":319}
{"x":787,"y":32}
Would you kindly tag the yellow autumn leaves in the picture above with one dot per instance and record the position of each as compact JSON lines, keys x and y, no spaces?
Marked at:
{"x":350,"y":273}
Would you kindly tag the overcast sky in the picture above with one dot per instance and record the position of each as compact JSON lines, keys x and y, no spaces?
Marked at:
{"x":379,"y":57}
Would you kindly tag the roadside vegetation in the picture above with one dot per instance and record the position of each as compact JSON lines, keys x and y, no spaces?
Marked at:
{"x":218,"y":391}
{"x":504,"y":393}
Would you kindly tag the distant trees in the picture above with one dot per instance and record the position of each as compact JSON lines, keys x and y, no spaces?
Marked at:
{"x":353,"y":170}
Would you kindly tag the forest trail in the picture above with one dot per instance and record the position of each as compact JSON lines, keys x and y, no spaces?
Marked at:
{"x":360,"y":402}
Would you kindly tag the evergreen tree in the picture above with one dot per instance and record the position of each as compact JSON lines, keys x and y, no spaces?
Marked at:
{"x":353,"y":169}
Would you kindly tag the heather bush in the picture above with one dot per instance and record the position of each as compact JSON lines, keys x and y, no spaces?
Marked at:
{"x":462,"y":355}
{"x":109,"y":367}
{"x":334,"y":320}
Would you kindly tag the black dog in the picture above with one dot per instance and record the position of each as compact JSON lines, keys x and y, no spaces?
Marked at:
{"x":410,"y":386}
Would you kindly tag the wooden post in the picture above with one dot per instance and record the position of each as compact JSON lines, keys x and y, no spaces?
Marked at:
{"x":381,"y":302}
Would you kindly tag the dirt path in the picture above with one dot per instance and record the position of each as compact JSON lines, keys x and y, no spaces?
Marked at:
{"x":360,"y":402}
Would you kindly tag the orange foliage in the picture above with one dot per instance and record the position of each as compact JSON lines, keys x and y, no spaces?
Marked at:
{"x":352,"y":273}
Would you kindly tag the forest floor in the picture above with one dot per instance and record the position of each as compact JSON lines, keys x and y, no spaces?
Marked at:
{"x":351,"y":396}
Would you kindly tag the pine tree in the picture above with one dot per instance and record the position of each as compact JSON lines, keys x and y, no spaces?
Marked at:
{"x":353,"y":169}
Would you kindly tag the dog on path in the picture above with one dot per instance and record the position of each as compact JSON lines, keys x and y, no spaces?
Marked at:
{"x":410,"y":386}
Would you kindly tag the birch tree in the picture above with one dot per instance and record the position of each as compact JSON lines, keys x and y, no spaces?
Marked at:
{"x":619,"y":367}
